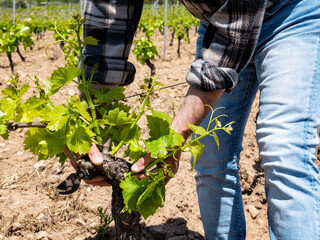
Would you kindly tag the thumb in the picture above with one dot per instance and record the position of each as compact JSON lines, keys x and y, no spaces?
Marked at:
{"x":95,"y":155}
{"x":141,"y":164}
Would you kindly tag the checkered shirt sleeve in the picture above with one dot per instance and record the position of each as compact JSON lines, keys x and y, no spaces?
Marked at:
{"x":229,"y":41}
{"x":113,"y":23}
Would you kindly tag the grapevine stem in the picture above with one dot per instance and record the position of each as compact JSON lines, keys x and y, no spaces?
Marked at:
{"x":86,"y":92}
{"x":50,"y":103}
{"x":84,"y":120}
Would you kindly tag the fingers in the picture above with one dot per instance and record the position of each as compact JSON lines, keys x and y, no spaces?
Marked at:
{"x":95,"y":155}
{"x":141,"y":164}
{"x":145,"y":161}
{"x":97,"y":181}
{"x":96,"y":158}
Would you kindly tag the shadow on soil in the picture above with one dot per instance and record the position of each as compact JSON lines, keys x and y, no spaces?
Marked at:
{"x":173,"y":229}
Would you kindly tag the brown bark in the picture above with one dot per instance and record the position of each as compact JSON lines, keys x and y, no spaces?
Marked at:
{"x":151,"y":66}
{"x":179,"y":43}
{"x":22,"y":58}
{"x":11,"y":63}
{"x":127,"y":225}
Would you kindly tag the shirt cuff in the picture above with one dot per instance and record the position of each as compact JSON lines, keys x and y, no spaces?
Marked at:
{"x":110,"y":71}
{"x":204,"y":76}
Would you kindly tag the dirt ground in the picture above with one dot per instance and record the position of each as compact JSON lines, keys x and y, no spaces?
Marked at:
{"x":30,"y":207}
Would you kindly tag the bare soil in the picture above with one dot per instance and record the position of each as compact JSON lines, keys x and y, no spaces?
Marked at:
{"x":31,"y":208}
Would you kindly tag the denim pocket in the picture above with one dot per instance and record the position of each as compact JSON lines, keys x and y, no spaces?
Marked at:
{"x":276,"y":7}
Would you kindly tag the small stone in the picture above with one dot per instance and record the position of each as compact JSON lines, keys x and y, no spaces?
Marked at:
{"x":78,"y":238}
{"x":253,"y":211}
{"x":260,"y":222}
{"x":71,"y":92}
{"x":247,"y":154}
{"x":42,"y":235}
{"x":29,"y":237}
{"x":80,"y":222}
{"x":16,"y":226}
{"x":19,"y":153}
{"x":40,"y":165}
{"x":46,"y":217}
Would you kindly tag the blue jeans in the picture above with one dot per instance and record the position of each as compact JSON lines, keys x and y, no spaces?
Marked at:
{"x":286,"y":71}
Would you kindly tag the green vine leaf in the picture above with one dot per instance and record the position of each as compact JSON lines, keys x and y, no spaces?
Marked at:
{"x":134,"y":150}
{"x":90,"y":40}
{"x":198,"y":130}
{"x":145,"y":195}
{"x":158,"y":127}
{"x":108,"y":96}
{"x":162,"y":115}
{"x":117,"y":117}
{"x":80,"y":107}
{"x":44,"y":143}
{"x":162,"y":138}
{"x":33,"y":108}
{"x":160,"y":147}
{"x":8,"y":106}
{"x":79,"y":139}
{"x":153,"y":196}
{"x":132,"y":189}
{"x":57,"y":118}
{"x":196,"y":149}
{"x":3,"y":128}
{"x":61,"y":77}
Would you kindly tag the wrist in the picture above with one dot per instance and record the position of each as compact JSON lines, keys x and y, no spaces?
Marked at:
{"x":181,"y":128}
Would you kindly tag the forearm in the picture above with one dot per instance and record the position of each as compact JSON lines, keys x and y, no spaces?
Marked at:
{"x":193,"y":109}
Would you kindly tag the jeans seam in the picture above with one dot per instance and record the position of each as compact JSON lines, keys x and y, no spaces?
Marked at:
{"x":311,"y":112}
{"x":235,"y":155}
{"x":316,"y":188}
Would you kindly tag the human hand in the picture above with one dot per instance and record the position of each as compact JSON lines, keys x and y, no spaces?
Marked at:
{"x":140,"y":165}
{"x":96,"y":158}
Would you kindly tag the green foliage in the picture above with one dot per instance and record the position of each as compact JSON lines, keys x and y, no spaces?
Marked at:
{"x":65,"y":33}
{"x":60,"y":78}
{"x":104,"y":223}
{"x":162,"y":139}
{"x":75,"y":125}
{"x":11,"y":35}
{"x":145,"y":195}
{"x":144,"y":49}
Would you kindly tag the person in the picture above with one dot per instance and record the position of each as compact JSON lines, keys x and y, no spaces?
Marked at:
{"x":245,"y":46}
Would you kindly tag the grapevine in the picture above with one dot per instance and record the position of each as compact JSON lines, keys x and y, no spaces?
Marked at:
{"x":11,"y":36}
{"x":144,"y":49}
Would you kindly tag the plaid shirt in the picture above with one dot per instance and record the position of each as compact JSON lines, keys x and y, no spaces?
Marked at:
{"x":228,"y":45}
